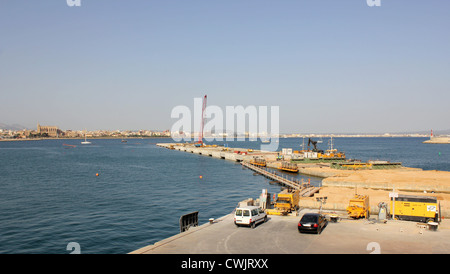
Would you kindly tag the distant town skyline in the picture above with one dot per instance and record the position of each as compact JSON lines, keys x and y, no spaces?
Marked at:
{"x":330,"y":66}
{"x":18,"y":127}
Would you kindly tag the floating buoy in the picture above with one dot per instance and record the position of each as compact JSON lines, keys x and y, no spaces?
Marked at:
{"x":69,"y":145}
{"x":96,"y":174}
{"x":201,"y":177}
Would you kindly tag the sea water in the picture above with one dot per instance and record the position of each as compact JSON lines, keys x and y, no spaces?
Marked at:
{"x":115,"y":197}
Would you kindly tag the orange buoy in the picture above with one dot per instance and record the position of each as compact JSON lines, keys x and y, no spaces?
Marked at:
{"x":201,"y":177}
{"x":96,"y":174}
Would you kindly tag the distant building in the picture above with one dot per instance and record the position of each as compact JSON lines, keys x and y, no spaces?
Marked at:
{"x":51,"y":131}
{"x":72,"y":134}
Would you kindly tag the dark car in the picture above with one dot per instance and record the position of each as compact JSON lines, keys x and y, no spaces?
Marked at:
{"x":312,"y":222}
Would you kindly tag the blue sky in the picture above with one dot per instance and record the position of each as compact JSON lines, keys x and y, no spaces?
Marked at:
{"x":330,"y":65}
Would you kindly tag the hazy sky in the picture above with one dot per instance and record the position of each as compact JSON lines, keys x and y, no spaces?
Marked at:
{"x":330,"y":65}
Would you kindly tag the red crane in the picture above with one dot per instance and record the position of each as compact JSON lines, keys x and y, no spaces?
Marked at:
{"x":200,"y":137}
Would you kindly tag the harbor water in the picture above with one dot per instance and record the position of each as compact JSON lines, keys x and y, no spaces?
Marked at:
{"x":114,"y":197}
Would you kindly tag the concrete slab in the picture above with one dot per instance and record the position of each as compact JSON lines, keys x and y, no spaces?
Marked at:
{"x":280,"y":236}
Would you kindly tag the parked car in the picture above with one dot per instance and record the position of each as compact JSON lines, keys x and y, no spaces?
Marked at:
{"x":312,"y":222}
{"x":249,"y":216}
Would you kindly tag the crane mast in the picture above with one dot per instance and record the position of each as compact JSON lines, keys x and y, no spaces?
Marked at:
{"x":200,"y":137}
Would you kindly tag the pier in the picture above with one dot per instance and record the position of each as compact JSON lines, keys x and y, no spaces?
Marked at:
{"x":246,"y":157}
{"x":225,"y":153}
{"x":306,"y":190}
{"x":438,"y":140}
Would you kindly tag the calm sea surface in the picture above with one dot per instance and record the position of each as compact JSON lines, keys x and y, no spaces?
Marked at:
{"x":50,"y":194}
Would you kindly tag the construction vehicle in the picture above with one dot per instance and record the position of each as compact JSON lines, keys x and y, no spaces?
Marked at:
{"x":285,"y":203}
{"x":415,"y":208}
{"x":354,"y":165}
{"x":314,"y":143}
{"x":358,"y":207}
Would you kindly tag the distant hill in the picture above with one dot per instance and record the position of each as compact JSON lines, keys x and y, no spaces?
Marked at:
{"x":12,"y":127}
{"x":435,"y":132}
{"x":442,"y":132}
{"x":421,"y":132}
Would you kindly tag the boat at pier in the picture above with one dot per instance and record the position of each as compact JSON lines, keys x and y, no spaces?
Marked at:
{"x":290,"y":167}
{"x":258,"y":162}
{"x":316,"y":154}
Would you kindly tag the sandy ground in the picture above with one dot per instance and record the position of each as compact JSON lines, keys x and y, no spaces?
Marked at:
{"x":341,"y":185}
{"x":338,"y":198}
{"x":407,"y":179}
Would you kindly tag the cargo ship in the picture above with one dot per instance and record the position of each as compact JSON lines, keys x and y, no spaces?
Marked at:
{"x":315,"y":154}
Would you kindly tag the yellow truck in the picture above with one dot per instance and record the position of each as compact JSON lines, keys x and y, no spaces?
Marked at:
{"x":415,"y":208}
{"x":286,"y":202}
{"x":358,"y":207}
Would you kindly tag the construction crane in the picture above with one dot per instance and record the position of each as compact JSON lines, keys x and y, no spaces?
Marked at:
{"x":200,"y":137}
{"x":314,"y":143}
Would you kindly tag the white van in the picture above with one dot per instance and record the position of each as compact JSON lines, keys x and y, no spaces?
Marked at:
{"x":249,"y":216}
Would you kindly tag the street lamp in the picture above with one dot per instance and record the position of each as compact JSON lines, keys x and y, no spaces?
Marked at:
{"x":322,"y":201}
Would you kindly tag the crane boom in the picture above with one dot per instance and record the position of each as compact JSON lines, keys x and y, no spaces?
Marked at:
{"x":314,"y":143}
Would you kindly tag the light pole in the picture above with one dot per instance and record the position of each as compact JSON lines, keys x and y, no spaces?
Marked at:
{"x":321,"y":200}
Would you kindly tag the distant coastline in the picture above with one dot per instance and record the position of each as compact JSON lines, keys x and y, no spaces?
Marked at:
{"x":80,"y":138}
{"x":158,"y":137}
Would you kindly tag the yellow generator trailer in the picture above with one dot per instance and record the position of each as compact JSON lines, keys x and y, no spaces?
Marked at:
{"x":358,"y":207}
{"x":415,"y":208}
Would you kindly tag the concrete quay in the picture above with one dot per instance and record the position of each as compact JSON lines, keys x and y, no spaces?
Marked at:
{"x":279,"y":235}
{"x":221,"y":152}
{"x":438,"y":140}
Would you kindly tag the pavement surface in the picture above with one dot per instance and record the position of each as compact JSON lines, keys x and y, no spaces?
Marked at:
{"x":279,"y":235}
